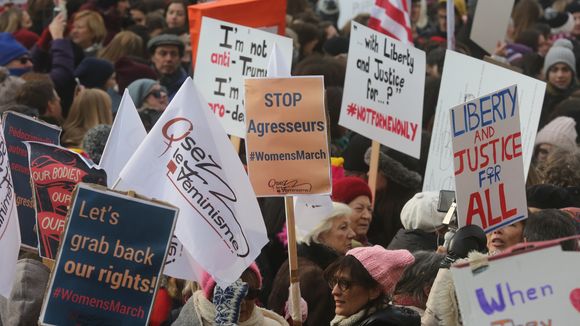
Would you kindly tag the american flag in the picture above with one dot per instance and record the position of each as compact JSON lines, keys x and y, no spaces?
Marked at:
{"x":391,"y":17}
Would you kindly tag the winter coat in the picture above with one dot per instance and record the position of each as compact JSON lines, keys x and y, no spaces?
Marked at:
{"x":173,"y":82}
{"x":23,"y":305}
{"x":415,"y":240}
{"x":387,"y":316}
{"x":312,"y":261}
{"x":199,"y":311}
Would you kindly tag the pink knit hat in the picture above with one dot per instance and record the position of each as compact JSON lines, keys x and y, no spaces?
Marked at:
{"x":208,"y":283}
{"x":385,"y":266}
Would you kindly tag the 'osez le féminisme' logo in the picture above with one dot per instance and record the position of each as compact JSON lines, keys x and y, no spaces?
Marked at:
{"x":198,"y":178}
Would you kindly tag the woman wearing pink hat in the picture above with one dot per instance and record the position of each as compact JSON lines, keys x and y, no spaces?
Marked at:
{"x":362,"y":284}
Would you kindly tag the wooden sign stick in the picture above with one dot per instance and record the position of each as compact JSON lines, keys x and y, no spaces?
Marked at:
{"x":293,"y":262}
{"x":374,"y":168}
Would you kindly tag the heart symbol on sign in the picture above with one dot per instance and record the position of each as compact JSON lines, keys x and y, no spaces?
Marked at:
{"x":575,"y":298}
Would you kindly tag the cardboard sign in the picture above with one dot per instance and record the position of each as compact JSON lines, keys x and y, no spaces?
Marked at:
{"x":267,"y":15}
{"x":532,"y":288}
{"x":227,"y":54}
{"x":19,"y":128}
{"x":383,"y":90}
{"x":110,"y":261}
{"x":349,"y":9}
{"x":487,"y":155}
{"x":488,"y":35}
{"x":465,"y":78}
{"x":55,"y":172}
{"x":286,"y":143}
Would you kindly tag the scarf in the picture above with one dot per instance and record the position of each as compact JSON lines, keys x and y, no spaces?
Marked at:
{"x":352,"y":320}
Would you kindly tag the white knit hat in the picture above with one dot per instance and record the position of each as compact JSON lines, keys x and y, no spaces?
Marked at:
{"x":420,"y":212}
{"x":560,"y":52}
{"x":560,"y":132}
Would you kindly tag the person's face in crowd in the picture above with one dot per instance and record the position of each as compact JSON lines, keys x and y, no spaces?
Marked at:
{"x":23,"y":62}
{"x":505,"y":237}
{"x":442,"y":19}
{"x":576,"y":30}
{"x":166,"y":59}
{"x":175,"y":15}
{"x":80,"y":34}
{"x":186,"y":59}
{"x":122,"y":6}
{"x":111,"y":82}
{"x":415,"y":12}
{"x":26,"y":21}
{"x":542,"y":152}
{"x":362,"y":214}
{"x":543,"y":45}
{"x":138,"y":17}
{"x":560,"y":75}
{"x":249,"y":302}
{"x":54,"y":108}
{"x":156,"y":98}
{"x":350,"y":297}
{"x":330,"y":32}
{"x":340,"y":235}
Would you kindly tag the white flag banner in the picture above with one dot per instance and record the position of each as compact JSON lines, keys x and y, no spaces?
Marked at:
{"x":9,"y":228}
{"x":310,"y":211}
{"x":180,"y":264}
{"x":126,"y":135}
{"x":188,"y":161}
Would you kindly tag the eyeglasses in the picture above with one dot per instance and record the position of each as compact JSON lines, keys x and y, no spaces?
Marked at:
{"x":158,"y":93}
{"x":343,"y":284}
{"x":252,"y":294}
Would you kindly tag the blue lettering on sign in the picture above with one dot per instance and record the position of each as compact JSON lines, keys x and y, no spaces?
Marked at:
{"x":484,"y":111}
{"x":516,"y":297}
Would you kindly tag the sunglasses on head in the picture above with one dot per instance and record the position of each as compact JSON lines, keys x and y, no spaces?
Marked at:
{"x":157,"y":93}
{"x":252,"y":294}
{"x":343,"y":284}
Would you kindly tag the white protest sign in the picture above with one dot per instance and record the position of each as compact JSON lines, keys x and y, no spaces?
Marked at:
{"x":188,"y":161}
{"x":226,"y":54}
{"x":534,"y":288}
{"x":487,"y":152}
{"x":383,"y":90}
{"x":488,"y":35}
{"x":9,"y":227}
{"x":350,"y":8}
{"x":465,"y":78}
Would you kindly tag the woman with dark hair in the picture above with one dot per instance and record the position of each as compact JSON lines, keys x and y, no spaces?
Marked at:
{"x":362,"y":284}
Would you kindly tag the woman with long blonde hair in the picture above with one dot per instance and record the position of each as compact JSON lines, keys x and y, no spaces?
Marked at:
{"x":125,"y":43}
{"x":90,"y":107}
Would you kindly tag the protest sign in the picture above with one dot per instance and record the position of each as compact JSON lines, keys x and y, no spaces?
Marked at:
{"x":9,"y":229}
{"x":286,"y":142}
{"x":227,"y":54}
{"x":268,"y":15}
{"x":465,"y":78}
{"x":110,"y":261}
{"x":488,"y":35}
{"x":126,"y":135}
{"x":530,"y":288}
{"x":19,"y":128}
{"x":349,"y":9}
{"x":188,"y":161}
{"x":180,"y":264}
{"x":383,"y":90}
{"x":55,"y":171}
{"x":487,"y":155}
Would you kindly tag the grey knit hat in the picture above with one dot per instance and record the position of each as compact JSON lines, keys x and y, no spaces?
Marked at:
{"x":560,"y":52}
{"x":139,"y":90}
{"x":560,"y":132}
{"x":95,"y":140}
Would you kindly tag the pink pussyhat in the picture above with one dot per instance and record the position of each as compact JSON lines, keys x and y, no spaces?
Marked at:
{"x":208,"y":283}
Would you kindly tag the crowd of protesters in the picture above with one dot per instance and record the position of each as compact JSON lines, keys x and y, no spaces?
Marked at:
{"x":70,"y":66}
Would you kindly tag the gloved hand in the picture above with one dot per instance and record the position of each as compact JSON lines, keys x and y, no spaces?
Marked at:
{"x":228,"y":301}
{"x":466,"y":239}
